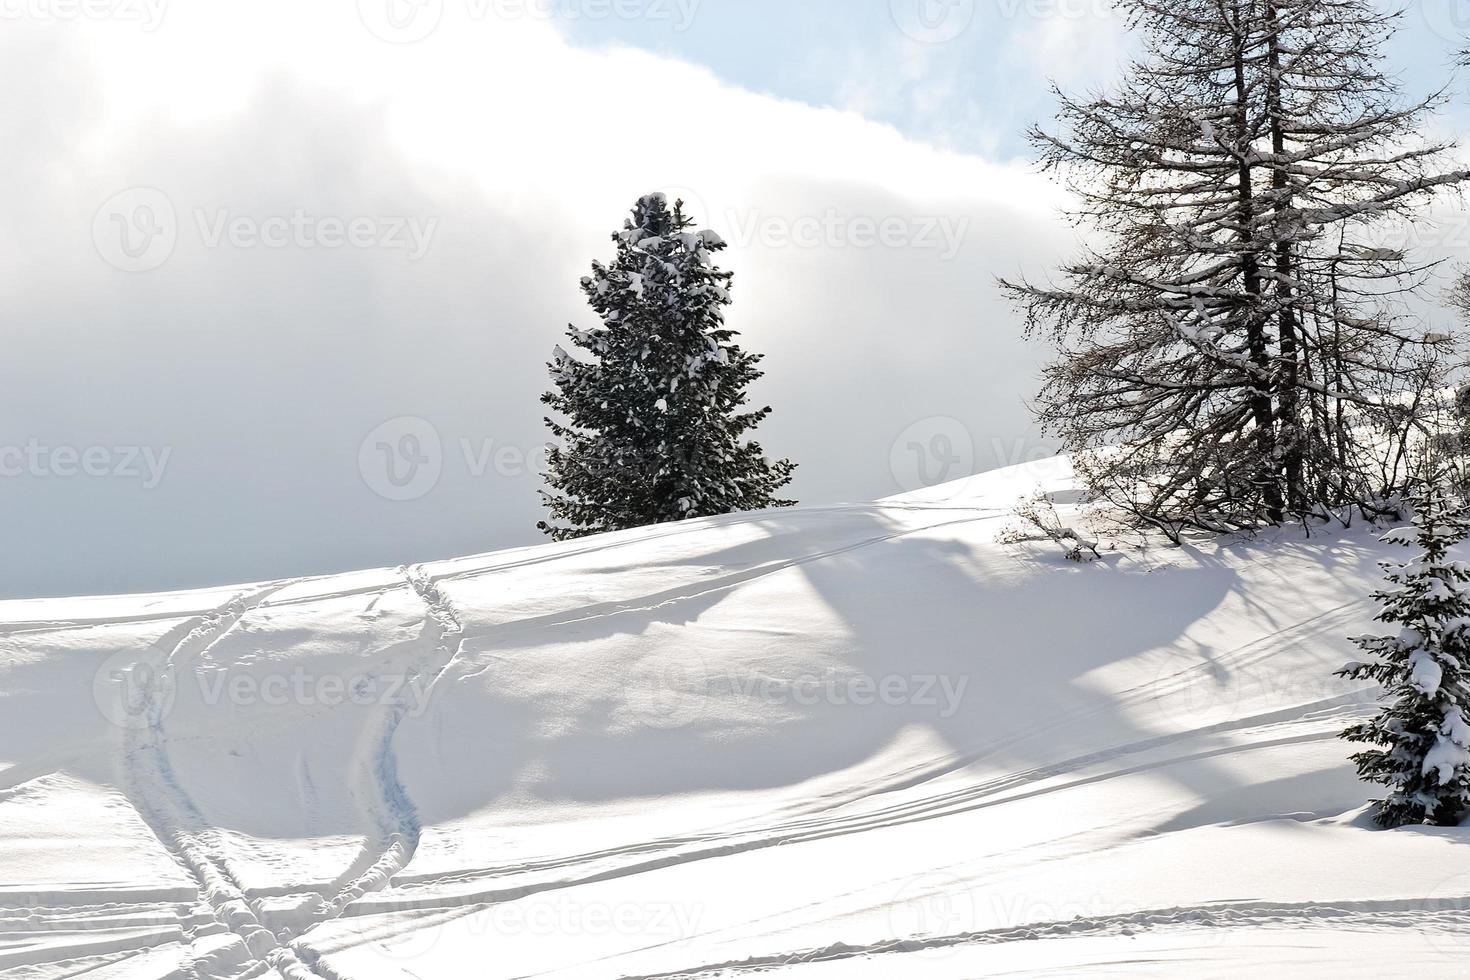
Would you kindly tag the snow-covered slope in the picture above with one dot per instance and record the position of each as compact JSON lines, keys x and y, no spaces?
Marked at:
{"x":859,"y":741}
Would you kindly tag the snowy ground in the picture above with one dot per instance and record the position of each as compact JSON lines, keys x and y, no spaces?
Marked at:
{"x":860,"y":741}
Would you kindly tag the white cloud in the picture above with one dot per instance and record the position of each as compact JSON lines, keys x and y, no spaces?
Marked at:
{"x":1070,"y":41}
{"x":264,"y":368}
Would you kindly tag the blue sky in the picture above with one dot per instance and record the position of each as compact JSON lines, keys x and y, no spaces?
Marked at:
{"x":975,"y":91}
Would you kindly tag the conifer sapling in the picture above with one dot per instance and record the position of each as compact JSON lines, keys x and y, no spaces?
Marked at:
{"x":1421,"y":735}
{"x":656,"y":419}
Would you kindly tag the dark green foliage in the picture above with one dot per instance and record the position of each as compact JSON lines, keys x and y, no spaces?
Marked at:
{"x":656,"y":419}
{"x":1421,"y":734}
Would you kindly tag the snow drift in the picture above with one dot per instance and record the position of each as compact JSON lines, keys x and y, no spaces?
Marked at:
{"x":862,"y":740}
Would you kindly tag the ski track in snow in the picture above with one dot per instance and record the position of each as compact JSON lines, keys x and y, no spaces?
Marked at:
{"x":825,"y":824}
{"x":686,"y":850}
{"x":726,"y":583}
{"x":1448,"y":915}
{"x":166,"y":808}
{"x":225,"y":934}
{"x":376,"y":784}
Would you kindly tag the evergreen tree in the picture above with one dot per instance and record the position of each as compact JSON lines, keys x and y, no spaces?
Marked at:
{"x":1232,"y":349}
{"x":1423,"y":732}
{"x":656,"y":420}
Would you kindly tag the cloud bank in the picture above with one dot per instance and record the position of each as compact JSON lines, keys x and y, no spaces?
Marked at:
{"x":317,"y":274}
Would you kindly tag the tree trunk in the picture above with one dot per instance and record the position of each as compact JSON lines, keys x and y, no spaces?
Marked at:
{"x":1286,"y":375}
{"x":1261,"y":404}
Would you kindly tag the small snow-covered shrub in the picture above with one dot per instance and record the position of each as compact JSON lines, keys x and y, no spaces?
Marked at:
{"x":1037,"y":520}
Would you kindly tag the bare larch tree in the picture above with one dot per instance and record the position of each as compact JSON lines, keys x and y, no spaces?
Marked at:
{"x":1234,"y":348}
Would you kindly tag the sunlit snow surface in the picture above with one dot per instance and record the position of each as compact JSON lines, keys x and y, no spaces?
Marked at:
{"x":859,"y":741}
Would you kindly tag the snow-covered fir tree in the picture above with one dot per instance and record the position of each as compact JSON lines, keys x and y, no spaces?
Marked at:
{"x":1233,"y":346}
{"x":1422,"y":734}
{"x":655,"y":420}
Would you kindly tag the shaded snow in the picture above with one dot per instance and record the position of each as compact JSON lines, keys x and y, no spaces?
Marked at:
{"x":861,"y":741}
